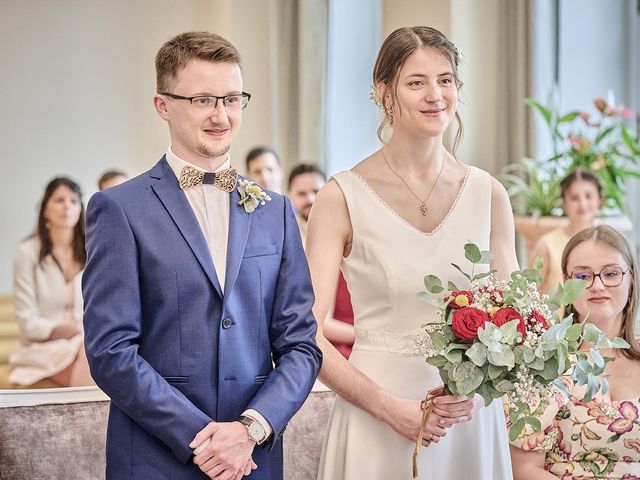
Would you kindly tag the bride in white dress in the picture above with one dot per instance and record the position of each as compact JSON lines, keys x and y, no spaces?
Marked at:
{"x":405,"y":211}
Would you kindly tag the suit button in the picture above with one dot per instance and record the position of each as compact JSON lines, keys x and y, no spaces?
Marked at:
{"x":226,"y":323}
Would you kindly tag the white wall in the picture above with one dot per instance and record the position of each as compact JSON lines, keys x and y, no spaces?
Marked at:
{"x":77,"y":82}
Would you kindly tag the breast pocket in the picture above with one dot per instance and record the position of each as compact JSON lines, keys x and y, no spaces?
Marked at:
{"x":260,"y":251}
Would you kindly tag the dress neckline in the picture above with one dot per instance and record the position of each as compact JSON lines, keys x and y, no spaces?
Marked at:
{"x":406,"y":222}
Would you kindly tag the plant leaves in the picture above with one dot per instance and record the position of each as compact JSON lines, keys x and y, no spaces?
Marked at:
{"x":461,"y":271}
{"x":472,"y":253}
{"x":477,"y":354}
{"x":516,"y":429}
{"x":433,"y":284}
{"x":452,"y":286}
{"x":572,"y":289}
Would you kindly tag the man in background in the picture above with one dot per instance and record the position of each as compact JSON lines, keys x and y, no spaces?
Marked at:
{"x":263,"y":167}
{"x":111,"y":178}
{"x":305,"y":181}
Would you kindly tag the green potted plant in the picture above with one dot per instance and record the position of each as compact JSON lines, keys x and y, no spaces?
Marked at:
{"x":601,"y":143}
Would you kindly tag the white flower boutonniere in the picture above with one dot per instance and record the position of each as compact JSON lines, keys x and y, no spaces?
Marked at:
{"x":251,"y":195}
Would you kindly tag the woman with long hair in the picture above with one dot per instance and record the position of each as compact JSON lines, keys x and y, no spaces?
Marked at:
{"x":47,"y":293}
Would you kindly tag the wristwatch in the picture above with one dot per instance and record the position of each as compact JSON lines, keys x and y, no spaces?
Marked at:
{"x":254,"y":428}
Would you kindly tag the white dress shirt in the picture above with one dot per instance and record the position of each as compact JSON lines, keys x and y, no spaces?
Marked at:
{"x":210,"y":204}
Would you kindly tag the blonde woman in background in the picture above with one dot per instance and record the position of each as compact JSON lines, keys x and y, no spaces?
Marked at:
{"x":581,"y":194}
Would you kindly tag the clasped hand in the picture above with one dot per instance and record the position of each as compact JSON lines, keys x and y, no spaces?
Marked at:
{"x":448,"y":410}
{"x":223,"y":451}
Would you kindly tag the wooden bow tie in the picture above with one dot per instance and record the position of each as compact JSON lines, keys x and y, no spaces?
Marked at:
{"x":224,"y":179}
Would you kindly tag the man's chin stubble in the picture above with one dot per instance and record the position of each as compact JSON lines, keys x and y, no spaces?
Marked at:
{"x":211,"y":153}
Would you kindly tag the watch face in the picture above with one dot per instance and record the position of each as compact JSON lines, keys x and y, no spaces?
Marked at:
{"x":256,"y":432}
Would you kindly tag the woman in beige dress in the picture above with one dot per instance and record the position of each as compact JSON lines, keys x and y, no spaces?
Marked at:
{"x":404,"y":212}
{"x":47,"y":293}
{"x":581,"y":194}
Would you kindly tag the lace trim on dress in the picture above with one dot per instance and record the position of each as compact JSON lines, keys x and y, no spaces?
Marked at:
{"x":386,"y":205}
{"x":410,"y":344}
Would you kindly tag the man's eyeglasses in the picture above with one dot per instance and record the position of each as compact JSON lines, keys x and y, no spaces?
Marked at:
{"x":231,"y":102}
{"x":609,"y":276}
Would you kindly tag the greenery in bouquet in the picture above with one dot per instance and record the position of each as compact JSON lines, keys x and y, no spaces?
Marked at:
{"x":600,"y":142}
{"x":503,"y":338}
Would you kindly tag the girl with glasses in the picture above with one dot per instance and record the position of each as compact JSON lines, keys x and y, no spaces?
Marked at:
{"x":601,"y":438}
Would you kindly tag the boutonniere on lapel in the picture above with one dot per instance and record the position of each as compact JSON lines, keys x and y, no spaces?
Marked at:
{"x":251,"y":195}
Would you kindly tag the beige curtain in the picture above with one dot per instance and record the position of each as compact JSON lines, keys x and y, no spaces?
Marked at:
{"x":515,"y":52}
{"x":298,"y":68}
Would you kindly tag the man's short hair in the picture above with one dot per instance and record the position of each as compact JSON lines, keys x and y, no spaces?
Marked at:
{"x":257,"y":151}
{"x":303,"y":168}
{"x":174,"y":55}
{"x":109,"y":175}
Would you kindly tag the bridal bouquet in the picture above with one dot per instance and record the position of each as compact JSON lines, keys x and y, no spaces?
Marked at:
{"x":505,"y":339}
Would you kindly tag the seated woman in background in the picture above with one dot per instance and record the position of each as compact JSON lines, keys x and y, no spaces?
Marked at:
{"x":599,"y":439}
{"x":47,"y":293}
{"x":581,"y":194}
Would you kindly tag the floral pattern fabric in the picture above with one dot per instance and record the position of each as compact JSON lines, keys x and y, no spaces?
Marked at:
{"x":598,"y":439}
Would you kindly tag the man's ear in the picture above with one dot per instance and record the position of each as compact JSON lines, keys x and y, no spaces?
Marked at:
{"x":160,"y":104}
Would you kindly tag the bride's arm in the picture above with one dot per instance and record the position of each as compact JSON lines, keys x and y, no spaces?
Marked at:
{"x":503,"y":235}
{"x":329,"y":237}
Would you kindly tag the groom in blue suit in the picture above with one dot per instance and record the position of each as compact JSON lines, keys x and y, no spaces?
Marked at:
{"x":197,"y":294}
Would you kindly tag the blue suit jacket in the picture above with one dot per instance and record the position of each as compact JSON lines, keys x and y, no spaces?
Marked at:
{"x":173,"y":351}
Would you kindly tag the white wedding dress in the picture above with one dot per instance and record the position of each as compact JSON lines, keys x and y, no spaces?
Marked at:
{"x":385,"y":271}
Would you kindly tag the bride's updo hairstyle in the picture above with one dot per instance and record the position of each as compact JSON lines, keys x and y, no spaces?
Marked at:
{"x":395,"y":50}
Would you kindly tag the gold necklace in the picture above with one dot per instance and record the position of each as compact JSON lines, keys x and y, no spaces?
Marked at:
{"x":424,"y":207}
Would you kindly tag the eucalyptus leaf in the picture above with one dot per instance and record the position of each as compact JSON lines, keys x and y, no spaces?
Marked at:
{"x":562,"y":386}
{"x":488,"y":393}
{"x":550,"y":370}
{"x":504,"y":386}
{"x":472,"y":253}
{"x":597,"y":358}
{"x":461,"y":271}
{"x":591,"y":333}
{"x":433,"y":301}
{"x":486,"y":257}
{"x":438,"y":340}
{"x":452,"y":286}
{"x":433,"y":284}
{"x":494,"y":371}
{"x":573,"y":332}
{"x":478,"y":354}
{"x":619,"y":343}
{"x":516,"y":429}
{"x":572,"y":289}
{"x":534,"y":422}
{"x":438,"y":361}
{"x":454,"y":356}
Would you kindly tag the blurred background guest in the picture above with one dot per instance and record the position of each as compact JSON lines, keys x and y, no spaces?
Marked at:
{"x":47,"y":293}
{"x":305,"y":181}
{"x":263,"y":167}
{"x":111,"y":178}
{"x":581,"y":194}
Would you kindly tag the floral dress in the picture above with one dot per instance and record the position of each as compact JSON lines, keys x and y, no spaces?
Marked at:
{"x":598,"y":439}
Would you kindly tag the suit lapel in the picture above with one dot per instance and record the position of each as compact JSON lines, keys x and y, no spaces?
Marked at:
{"x":176,"y":203}
{"x":239,"y":224}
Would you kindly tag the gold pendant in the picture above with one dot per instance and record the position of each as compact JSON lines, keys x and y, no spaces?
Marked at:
{"x":424,"y":209}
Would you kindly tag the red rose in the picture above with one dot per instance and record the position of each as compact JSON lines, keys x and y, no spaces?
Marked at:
{"x":460,"y":299}
{"x":466,"y":322}
{"x":537,"y":318}
{"x":505,"y":315}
